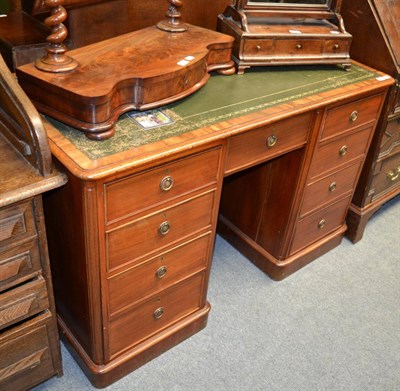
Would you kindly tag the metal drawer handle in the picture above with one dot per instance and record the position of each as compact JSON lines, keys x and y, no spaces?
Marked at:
{"x":298,"y":46}
{"x":164,"y":228}
{"x":343,"y":150}
{"x":353,"y":116}
{"x":392,"y":175}
{"x":332,"y":186}
{"x":158,"y":313}
{"x":271,"y":141}
{"x":166,"y":183}
{"x":258,"y":47}
{"x":161,"y":272}
{"x":321,"y":224}
{"x":336,"y":46}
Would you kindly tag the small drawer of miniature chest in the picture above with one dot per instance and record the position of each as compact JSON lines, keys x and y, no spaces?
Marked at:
{"x":23,"y":302}
{"x":134,"y":194}
{"x":18,"y":263}
{"x":16,"y":222}
{"x":351,"y":115}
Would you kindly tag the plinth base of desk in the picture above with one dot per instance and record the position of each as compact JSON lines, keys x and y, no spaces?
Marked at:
{"x":273,"y":267}
{"x":103,"y":375}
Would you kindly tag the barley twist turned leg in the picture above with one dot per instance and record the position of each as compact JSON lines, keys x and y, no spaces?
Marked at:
{"x":56,"y":60}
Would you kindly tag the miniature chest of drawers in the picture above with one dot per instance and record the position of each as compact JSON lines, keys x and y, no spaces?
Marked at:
{"x":131,"y":235}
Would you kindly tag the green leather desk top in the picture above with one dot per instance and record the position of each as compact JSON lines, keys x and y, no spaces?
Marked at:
{"x":222,"y":98}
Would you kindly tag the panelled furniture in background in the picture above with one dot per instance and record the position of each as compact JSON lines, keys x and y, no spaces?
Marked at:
{"x":29,"y":344}
{"x":374,"y":25}
{"x":131,"y":235}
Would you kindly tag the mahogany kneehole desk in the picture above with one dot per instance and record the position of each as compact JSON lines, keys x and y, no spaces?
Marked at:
{"x":272,"y":155}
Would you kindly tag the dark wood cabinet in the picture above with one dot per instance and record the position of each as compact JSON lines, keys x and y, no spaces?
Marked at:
{"x":374,"y":25}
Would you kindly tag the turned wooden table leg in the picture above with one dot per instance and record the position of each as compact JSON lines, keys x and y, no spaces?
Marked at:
{"x":56,"y":60}
{"x":173,"y":23}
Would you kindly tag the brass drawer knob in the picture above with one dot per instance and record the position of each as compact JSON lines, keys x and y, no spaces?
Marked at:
{"x":298,"y":46}
{"x":343,"y":150}
{"x":166,"y":183}
{"x":336,"y":46}
{"x":271,"y":141}
{"x":332,"y":186}
{"x":258,"y":47}
{"x":321,"y":224}
{"x":158,"y":313}
{"x":161,"y":272}
{"x":164,"y":228}
{"x":353,"y":116}
{"x":392,"y":175}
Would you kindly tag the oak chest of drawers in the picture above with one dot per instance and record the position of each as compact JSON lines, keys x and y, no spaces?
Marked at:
{"x":135,"y":226}
{"x":377,"y":43}
{"x":29,"y":344}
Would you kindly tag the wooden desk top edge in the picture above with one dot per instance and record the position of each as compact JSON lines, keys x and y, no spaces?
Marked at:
{"x":84,"y":168}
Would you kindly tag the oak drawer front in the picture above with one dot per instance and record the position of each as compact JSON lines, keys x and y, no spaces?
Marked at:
{"x":160,"y":229}
{"x":390,"y":143}
{"x":343,"y":118}
{"x":22,"y":302}
{"x":386,"y":176}
{"x":16,"y":222}
{"x":297,"y":47}
{"x":154,"y":315}
{"x":319,"y":224}
{"x":339,"y":152}
{"x":18,"y":263}
{"x":329,"y":188}
{"x":134,"y":194}
{"x":266,"y":142}
{"x":25,"y":356}
{"x":158,"y":273}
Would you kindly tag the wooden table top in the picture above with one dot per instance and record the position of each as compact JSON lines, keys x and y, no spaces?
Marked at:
{"x":225,"y":106}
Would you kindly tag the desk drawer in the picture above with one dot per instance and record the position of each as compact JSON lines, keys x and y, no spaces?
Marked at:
{"x":16,"y":222}
{"x":386,"y":176}
{"x":25,"y":354}
{"x":139,"y":192}
{"x":158,"y":273}
{"x":266,"y":142}
{"x":154,"y":315}
{"x":319,"y":224}
{"x":343,"y":118}
{"x":22,"y":302}
{"x":160,"y":229}
{"x":18,"y":263}
{"x":333,"y":155}
{"x":329,"y":188}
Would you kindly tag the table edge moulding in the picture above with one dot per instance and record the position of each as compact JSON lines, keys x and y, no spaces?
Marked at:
{"x":271,"y":157}
{"x":29,"y":343}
